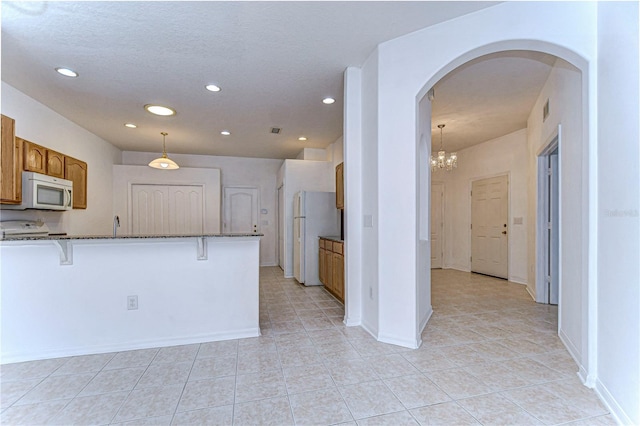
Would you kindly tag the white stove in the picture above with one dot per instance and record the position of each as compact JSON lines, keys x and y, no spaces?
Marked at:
{"x":22,"y":228}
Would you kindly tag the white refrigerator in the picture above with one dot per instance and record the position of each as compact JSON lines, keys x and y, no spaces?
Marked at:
{"x":314,"y":215}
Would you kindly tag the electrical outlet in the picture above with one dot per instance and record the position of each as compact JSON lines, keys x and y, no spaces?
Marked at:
{"x":132,"y":302}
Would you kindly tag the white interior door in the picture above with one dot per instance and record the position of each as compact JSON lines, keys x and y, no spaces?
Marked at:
{"x":186,"y":209}
{"x":149,"y":209}
{"x":167,"y":209}
{"x":281,"y":227}
{"x":437,"y":224}
{"x":241,"y":210}
{"x":489,"y":232}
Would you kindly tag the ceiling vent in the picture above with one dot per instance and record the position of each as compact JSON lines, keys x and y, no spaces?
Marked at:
{"x":275,"y":130}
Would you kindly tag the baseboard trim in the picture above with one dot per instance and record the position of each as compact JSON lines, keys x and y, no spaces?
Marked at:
{"x":8,"y":358}
{"x":533,"y":296}
{"x":461,"y":268}
{"x":424,"y":322}
{"x":352,"y":322}
{"x":393,"y":340}
{"x":573,"y":351}
{"x":369,"y":329}
{"x":612,"y":405}
{"x":518,"y":280}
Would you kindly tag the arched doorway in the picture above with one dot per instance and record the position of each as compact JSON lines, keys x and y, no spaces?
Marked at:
{"x":575,"y":310}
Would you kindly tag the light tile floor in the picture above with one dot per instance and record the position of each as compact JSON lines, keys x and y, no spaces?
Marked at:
{"x":490,"y":356}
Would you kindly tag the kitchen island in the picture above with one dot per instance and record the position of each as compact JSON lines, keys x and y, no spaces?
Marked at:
{"x":73,"y":295}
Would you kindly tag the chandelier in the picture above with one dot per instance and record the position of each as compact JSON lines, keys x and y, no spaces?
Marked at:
{"x":442,"y":160}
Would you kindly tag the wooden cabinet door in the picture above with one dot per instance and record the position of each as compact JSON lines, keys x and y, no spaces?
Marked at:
{"x":35,"y":157}
{"x":76,"y":172}
{"x":321,"y":268}
{"x":55,"y":164}
{"x":10,"y":164}
{"x":338,"y":276}
{"x":340,"y":186}
{"x":328,"y":269}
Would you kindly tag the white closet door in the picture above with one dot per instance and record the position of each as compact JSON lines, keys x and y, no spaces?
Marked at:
{"x":489,"y":233}
{"x":149,"y":209}
{"x":186,"y":209}
{"x":167,"y":209}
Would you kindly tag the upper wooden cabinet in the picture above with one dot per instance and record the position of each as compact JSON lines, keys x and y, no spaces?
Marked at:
{"x":19,"y":154}
{"x":76,"y":171}
{"x":55,"y":164}
{"x":340,"y":186}
{"x":10,"y":164}
{"x":35,"y":157}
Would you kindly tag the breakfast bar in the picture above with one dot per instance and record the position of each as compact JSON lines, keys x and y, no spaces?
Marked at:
{"x":73,"y":295}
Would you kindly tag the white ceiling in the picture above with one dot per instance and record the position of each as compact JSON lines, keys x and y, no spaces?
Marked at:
{"x":275,"y":62}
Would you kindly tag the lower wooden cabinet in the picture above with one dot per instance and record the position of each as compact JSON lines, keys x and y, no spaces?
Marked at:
{"x":331,"y":267}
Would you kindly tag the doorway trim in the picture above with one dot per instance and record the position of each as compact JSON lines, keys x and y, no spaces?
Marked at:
{"x":442,"y":224}
{"x":542,"y":204}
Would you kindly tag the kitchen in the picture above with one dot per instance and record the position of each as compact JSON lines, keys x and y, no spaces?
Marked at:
{"x":74,"y":222}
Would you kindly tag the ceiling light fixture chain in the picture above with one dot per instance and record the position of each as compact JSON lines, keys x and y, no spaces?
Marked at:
{"x":442,"y":160}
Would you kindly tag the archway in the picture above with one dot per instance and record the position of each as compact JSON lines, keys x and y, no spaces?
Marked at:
{"x":576,"y":308}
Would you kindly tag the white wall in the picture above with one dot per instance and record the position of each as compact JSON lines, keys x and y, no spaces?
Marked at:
{"x":38,"y":123}
{"x":335,"y":151}
{"x":352,"y":213}
{"x":257,"y":172}
{"x":395,"y":77}
{"x":618,"y":195}
{"x":316,"y":154}
{"x":369,"y":187}
{"x":506,"y":155}
{"x":301,"y":175}
{"x":564,"y":90}
{"x":124,"y":176}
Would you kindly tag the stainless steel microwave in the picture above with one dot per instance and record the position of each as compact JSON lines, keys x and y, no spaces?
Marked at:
{"x":44,"y":193}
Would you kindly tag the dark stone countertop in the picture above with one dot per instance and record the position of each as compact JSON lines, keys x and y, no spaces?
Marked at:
{"x":332,"y":238}
{"x":119,"y":237}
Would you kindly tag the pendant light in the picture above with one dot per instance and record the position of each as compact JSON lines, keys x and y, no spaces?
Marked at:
{"x":442,"y":160}
{"x":164,"y":162}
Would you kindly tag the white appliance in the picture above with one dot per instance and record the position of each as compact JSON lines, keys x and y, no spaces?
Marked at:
{"x":44,"y":193}
{"x":314,"y":215}
{"x":23,"y":228}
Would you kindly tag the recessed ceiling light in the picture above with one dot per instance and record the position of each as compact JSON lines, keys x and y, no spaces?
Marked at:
{"x":225,"y":133}
{"x":302,"y":138}
{"x":130,"y":125}
{"x":212,"y":88}
{"x":328,"y":101}
{"x":67,"y":72}
{"x":159,"y":110}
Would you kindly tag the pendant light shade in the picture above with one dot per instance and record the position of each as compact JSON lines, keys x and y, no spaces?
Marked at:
{"x":164,"y":162}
